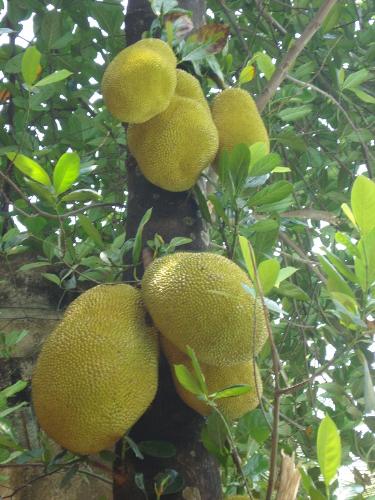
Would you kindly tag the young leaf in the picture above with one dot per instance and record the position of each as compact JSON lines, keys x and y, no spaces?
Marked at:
{"x":264,"y":165}
{"x":268,"y":272}
{"x":137,"y":248}
{"x":233,"y":390}
{"x":30,"y":65}
{"x":363,"y":204}
{"x":91,"y":230}
{"x":81,"y":195}
{"x":65,"y":172}
{"x":284,"y":274}
{"x":249,"y":257}
{"x":57,"y":76}
{"x":247,"y":74}
{"x":187,"y":380}
{"x":30,"y":168}
{"x":347,"y":211}
{"x":328,"y":449}
{"x":197,"y":370}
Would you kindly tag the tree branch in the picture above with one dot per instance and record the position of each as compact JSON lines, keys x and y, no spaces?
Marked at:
{"x":292,"y":54}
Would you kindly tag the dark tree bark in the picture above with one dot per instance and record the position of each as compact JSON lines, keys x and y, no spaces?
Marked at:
{"x":168,"y":419}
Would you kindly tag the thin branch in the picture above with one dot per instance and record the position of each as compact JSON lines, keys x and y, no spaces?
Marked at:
{"x":269,"y":17}
{"x":292,"y":54}
{"x":233,"y":22}
{"x":310,"y":213}
{"x":301,"y":253}
{"x":345,"y":113}
{"x":47,"y":214}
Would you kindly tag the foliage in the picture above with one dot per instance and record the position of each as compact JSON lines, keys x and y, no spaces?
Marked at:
{"x":301,"y":219}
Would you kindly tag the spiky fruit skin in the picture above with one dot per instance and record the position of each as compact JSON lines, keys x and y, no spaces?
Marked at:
{"x":189,"y":86}
{"x":140,"y":81}
{"x":97,"y":372}
{"x":218,"y":378}
{"x":238,"y":497}
{"x":237,"y":120}
{"x":198,"y":300}
{"x":175,"y":146}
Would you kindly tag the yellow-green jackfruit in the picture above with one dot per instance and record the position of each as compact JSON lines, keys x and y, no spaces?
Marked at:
{"x":140,"y":81}
{"x":97,"y":372}
{"x":199,"y":300}
{"x":218,"y":378}
{"x":237,"y":497}
{"x":189,"y":86}
{"x":175,"y":146}
{"x":237,"y":120}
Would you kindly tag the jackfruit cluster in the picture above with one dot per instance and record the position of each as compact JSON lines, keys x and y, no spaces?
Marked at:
{"x":172,"y":134}
{"x":97,"y":373}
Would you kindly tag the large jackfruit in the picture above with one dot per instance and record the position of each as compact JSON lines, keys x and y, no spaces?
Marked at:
{"x":218,"y":378}
{"x":97,"y":372}
{"x":237,"y":497}
{"x":140,"y":81}
{"x":237,"y":120}
{"x":175,"y":146}
{"x":198,"y":300}
{"x":189,"y":86}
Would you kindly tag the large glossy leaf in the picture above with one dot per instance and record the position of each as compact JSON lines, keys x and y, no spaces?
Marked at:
{"x":268,"y":271}
{"x":65,"y":172}
{"x":30,"y":167}
{"x":30,"y":64}
{"x":363,"y":204}
{"x":328,"y":449}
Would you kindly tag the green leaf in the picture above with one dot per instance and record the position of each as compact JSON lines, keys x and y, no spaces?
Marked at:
{"x":369,"y":391}
{"x":270,"y":194}
{"x":264,"y":165}
{"x":364,"y":265}
{"x":30,"y":168}
{"x":57,"y":76}
{"x":187,"y":380}
{"x":81,"y":195}
{"x":247,"y":74}
{"x":33,"y":265}
{"x":66,"y":172}
{"x":255,"y":425}
{"x":233,"y":390}
{"x":249,"y":257}
{"x":13,"y":389}
{"x":328,"y":449}
{"x":332,"y":19}
{"x":285,"y":273}
{"x":361,"y":94}
{"x":363,"y":204}
{"x":43,"y":192}
{"x":30,"y":65}
{"x":264,"y":226}
{"x":197,"y":370}
{"x":137,"y":248}
{"x":355,"y":79}
{"x":291,"y":114}
{"x":268,"y":271}
{"x":265,"y":64}
{"x":91,"y":230}
{"x":202,"y":202}
{"x":293,"y":291}
{"x":336,"y":282}
{"x":158,"y":449}
{"x":52,"y":277}
{"x":349,"y":214}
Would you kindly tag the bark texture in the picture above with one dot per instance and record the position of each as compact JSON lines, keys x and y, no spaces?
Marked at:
{"x":168,"y":419}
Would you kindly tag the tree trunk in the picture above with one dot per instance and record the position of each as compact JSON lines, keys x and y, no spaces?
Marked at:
{"x":168,"y":418}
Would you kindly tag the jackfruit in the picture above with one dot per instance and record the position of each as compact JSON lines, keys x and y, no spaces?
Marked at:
{"x":189,"y":86}
{"x":238,"y":497}
{"x":175,"y":146}
{"x":198,"y":300}
{"x":97,"y":372}
{"x":218,"y":378}
{"x":237,"y":120}
{"x":140,"y":81}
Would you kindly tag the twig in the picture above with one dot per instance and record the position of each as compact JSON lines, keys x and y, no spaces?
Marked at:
{"x":292,"y":54}
{"x":233,"y":22}
{"x":300,"y":252}
{"x":310,"y":213}
{"x":345,"y":113}
{"x":268,"y":16}
{"x":47,"y":214}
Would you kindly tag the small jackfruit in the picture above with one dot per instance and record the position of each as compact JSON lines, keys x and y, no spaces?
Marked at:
{"x":97,"y":372}
{"x":189,"y":86}
{"x":199,"y":300}
{"x":175,"y":146}
{"x":237,"y":497}
{"x":237,"y":120}
{"x":218,"y":378}
{"x":140,"y":81}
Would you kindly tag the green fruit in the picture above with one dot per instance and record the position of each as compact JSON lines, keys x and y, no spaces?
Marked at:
{"x":97,"y":372}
